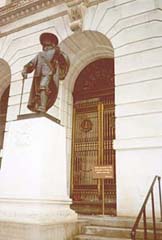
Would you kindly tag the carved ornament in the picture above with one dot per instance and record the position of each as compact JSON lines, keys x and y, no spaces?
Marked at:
{"x":86,"y":125}
{"x":76,"y":13}
{"x":21,"y":8}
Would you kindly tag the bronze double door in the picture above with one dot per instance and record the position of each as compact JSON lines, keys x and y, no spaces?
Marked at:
{"x":93,"y":134}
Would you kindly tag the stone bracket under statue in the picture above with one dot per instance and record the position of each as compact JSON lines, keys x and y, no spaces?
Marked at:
{"x":33,"y":178}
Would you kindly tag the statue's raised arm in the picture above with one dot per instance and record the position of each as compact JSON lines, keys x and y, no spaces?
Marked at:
{"x":49,"y":66}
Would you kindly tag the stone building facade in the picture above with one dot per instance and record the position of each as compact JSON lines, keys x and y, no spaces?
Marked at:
{"x":127,"y":32}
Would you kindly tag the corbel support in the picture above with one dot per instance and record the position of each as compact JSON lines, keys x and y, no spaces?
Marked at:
{"x":76,"y":12}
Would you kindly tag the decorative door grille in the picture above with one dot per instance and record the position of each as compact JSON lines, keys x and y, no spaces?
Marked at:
{"x":93,"y":134}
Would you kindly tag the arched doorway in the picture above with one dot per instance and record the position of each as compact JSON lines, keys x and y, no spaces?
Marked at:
{"x":93,"y":134}
{"x":5,"y":79}
{"x":3,"y":114}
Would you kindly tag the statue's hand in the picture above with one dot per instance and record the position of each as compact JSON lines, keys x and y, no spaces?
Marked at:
{"x":24,"y":74}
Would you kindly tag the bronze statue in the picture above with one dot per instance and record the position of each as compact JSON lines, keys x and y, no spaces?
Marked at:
{"x":50,"y":65}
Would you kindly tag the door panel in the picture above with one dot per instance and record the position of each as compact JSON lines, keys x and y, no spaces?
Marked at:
{"x":92,"y":145}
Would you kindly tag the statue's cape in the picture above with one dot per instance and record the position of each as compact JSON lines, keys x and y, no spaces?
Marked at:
{"x":64,"y":64}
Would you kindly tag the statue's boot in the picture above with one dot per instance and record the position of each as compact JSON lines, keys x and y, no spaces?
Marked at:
{"x":43,"y":98}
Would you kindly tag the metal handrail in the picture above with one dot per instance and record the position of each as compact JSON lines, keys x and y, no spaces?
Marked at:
{"x":142,"y":211}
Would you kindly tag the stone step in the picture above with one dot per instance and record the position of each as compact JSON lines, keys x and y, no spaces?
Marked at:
{"x":117,"y":232}
{"x":91,"y":237}
{"x":123,"y":222}
{"x":101,"y":227}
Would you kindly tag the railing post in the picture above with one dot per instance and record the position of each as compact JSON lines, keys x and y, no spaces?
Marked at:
{"x":133,"y":235}
{"x":160,"y":199}
{"x":143,"y":212}
{"x":145,"y":224}
{"x":153,"y":214}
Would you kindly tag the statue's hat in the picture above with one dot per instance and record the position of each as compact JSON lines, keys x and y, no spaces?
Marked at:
{"x":48,"y":38}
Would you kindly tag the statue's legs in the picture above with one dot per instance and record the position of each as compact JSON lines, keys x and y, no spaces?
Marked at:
{"x":43,"y":93}
{"x":43,"y":99}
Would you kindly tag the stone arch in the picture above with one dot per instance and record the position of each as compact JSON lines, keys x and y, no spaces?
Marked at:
{"x":82,"y":49}
{"x":5,"y":79}
{"x":92,"y":46}
{"x":5,"y":76}
{"x":85,"y":59}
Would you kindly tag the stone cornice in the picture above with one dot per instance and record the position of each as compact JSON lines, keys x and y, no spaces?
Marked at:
{"x":22,"y":8}
{"x":33,"y":23}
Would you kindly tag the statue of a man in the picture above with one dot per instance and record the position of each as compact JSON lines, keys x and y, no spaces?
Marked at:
{"x":50,"y":65}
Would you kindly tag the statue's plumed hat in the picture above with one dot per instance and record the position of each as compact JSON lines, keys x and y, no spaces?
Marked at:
{"x":48,"y":38}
